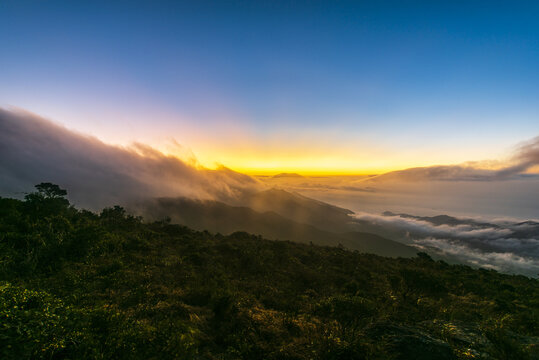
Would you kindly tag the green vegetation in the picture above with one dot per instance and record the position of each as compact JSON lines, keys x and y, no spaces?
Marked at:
{"x":76,"y":284}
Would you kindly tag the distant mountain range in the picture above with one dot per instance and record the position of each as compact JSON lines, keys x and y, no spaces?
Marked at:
{"x":518,"y":230}
{"x":287,"y":175}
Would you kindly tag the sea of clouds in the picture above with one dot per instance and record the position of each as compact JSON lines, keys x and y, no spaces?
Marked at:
{"x":502,"y":245}
{"x":34,"y":150}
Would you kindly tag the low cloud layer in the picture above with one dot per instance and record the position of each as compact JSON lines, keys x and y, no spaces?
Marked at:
{"x":425,"y":228}
{"x":525,"y":158}
{"x":500,"y":261}
{"x":504,"y":246}
{"x":509,"y":198}
{"x":35,"y":150}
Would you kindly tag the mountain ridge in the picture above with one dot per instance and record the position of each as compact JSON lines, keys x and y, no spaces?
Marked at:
{"x":222,"y":218}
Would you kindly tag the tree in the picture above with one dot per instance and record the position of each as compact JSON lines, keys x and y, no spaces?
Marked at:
{"x":50,"y":191}
{"x":49,"y":198}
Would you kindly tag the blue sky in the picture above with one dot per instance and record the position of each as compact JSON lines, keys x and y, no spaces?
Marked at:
{"x":360,"y":85}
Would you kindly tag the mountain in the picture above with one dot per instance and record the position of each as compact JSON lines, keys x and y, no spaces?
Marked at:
{"x":374,"y":244}
{"x":518,"y":230}
{"x":443,"y":220}
{"x":287,"y":175}
{"x":75,"y":284}
{"x":222,"y":218}
{"x":299,"y":208}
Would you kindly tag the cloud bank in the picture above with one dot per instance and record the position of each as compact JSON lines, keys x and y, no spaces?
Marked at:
{"x":34,"y":150}
{"x":525,"y":158}
{"x":501,"y":261}
{"x":505,"y":246}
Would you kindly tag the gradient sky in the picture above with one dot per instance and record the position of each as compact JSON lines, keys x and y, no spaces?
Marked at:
{"x":263,"y":87}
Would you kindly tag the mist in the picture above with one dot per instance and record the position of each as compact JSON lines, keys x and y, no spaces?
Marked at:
{"x":502,"y":245}
{"x":525,"y":157}
{"x":34,"y":150}
{"x":514,"y":198}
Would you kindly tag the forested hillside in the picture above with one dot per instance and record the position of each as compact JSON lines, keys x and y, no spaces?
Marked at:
{"x":219,"y":217}
{"x":79,"y":284}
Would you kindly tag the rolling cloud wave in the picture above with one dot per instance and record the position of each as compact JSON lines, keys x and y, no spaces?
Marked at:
{"x":525,"y":158}
{"x":34,"y":149}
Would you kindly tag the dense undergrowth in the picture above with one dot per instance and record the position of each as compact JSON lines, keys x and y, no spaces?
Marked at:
{"x":77,"y":284}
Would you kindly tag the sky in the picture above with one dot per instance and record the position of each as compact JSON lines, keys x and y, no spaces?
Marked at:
{"x":314,"y":87}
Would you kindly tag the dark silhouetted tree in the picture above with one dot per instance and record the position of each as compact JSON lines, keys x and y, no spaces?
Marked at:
{"x":48,"y":199}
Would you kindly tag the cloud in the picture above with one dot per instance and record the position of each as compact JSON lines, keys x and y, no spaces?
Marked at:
{"x":505,"y":246}
{"x":501,"y":261}
{"x":326,"y":187}
{"x":423,"y":228}
{"x":33,"y":150}
{"x":344,"y":183}
{"x":525,"y":158}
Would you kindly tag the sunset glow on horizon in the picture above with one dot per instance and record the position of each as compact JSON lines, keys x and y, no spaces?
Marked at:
{"x":270,"y":87}
{"x":347,"y":89}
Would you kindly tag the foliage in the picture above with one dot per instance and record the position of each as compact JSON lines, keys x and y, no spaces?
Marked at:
{"x":76,"y":284}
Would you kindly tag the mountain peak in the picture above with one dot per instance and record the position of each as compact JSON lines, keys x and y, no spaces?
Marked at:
{"x":287,"y":175}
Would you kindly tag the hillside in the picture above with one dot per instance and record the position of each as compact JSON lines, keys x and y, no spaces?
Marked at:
{"x":78,"y":284}
{"x":221,"y":218}
{"x":299,"y":208}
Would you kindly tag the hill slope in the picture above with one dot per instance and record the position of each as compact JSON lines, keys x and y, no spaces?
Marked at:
{"x":75,"y":284}
{"x":222,"y":218}
{"x":299,"y":208}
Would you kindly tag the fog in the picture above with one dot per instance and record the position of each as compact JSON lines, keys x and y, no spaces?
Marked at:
{"x":34,"y":150}
{"x":514,"y":198}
